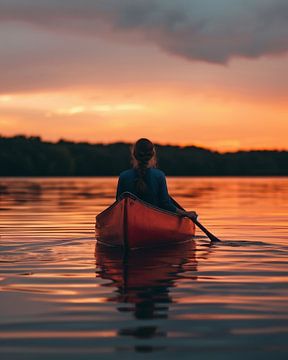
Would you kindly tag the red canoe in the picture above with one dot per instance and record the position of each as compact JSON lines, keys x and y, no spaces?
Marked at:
{"x":133,"y":223}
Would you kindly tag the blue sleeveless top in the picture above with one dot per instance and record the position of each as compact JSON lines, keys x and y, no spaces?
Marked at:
{"x":157,"y":193}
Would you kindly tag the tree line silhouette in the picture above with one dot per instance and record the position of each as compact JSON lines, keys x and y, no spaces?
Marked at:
{"x":30,"y":156}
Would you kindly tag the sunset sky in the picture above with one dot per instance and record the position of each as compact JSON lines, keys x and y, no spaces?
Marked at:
{"x":212,"y":73}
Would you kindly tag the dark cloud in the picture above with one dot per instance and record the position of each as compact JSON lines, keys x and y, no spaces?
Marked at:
{"x":31,"y":60}
{"x":207,"y":30}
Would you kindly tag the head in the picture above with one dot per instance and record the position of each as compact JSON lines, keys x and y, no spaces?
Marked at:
{"x":143,"y":157}
{"x":143,"y":152}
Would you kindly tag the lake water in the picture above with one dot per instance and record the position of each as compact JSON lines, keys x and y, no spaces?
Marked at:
{"x":63,"y":298}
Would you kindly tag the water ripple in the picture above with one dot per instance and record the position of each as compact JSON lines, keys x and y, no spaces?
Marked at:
{"x":62,"y":296}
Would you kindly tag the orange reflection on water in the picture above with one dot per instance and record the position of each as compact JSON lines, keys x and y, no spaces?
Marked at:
{"x":58,"y":334}
{"x":52,"y":276}
{"x":229,"y":299}
{"x":39,"y":288}
{"x":254,"y":331}
{"x":224,"y":316}
{"x":86,"y":300}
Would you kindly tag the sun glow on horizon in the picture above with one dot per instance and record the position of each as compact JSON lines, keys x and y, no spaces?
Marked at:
{"x":219,"y":123}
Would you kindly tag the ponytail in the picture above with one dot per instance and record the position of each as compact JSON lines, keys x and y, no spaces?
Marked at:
{"x":143,"y":155}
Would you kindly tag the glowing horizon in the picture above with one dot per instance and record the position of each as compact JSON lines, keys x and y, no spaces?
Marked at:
{"x":162,"y":116}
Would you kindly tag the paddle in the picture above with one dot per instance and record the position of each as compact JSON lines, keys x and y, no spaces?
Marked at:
{"x":212,"y":237}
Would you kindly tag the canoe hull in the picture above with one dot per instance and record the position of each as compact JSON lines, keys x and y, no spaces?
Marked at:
{"x":132,"y":223}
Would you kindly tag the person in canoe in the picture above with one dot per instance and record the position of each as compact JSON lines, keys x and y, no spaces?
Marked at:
{"x":146,"y":181}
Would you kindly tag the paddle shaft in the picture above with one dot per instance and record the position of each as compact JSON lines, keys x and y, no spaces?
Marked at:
{"x":212,"y":237}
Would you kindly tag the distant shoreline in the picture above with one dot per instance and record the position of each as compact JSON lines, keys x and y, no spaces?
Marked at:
{"x":4,"y":177}
{"x":22,"y":156}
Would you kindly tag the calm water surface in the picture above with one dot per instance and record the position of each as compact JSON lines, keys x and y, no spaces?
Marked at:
{"x":62,"y":297}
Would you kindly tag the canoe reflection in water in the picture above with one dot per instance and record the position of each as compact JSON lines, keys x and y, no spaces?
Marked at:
{"x":143,"y":279}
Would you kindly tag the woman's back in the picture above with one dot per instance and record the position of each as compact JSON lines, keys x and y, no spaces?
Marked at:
{"x":156,"y":191}
{"x":146,"y":182}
